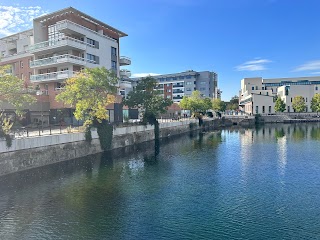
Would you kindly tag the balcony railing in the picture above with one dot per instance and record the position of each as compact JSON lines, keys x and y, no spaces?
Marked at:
{"x":60,"y":59}
{"x":125,"y":73}
{"x":64,"y":41}
{"x":177,"y":85}
{"x":77,"y":28}
{"x":52,"y":76}
{"x":124,"y":61}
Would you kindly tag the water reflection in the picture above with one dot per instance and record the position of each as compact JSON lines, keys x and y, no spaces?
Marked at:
{"x":254,"y":183}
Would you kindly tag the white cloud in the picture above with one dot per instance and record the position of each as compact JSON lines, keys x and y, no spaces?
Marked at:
{"x":137,"y":75}
{"x":253,"y":65}
{"x":14,"y":19}
{"x":308,"y":66}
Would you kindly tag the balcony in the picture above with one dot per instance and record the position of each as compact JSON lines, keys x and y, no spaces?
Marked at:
{"x":177,"y":91}
{"x":177,"y":85}
{"x":125,"y":84}
{"x":61,"y":44}
{"x":124,"y":61}
{"x":54,"y":76}
{"x":125,"y":73}
{"x":60,"y":60}
{"x":71,"y":28}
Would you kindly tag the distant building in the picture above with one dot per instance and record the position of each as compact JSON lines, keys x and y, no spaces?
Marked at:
{"x":59,"y":45}
{"x":257,"y":95}
{"x":177,"y":85}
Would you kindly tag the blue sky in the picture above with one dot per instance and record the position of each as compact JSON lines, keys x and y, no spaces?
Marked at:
{"x":235,"y":38}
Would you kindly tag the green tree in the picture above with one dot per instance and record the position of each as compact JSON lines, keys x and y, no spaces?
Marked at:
{"x":90,"y":91}
{"x":217,"y":105}
{"x":13,"y":91}
{"x":145,"y":96}
{"x":298,"y":104}
{"x":279,"y":106}
{"x":196,"y":103}
{"x":315,"y":103}
{"x":207,"y":104}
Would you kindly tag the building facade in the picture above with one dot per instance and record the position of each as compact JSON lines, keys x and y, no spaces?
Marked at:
{"x":177,"y":85}
{"x":257,"y":95}
{"x":60,"y":44}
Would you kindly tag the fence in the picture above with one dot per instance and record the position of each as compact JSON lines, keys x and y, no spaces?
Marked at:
{"x":24,"y":132}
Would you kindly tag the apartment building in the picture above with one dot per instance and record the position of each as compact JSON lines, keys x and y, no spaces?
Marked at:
{"x":257,"y":95}
{"x":177,"y":85}
{"x":60,"y":44}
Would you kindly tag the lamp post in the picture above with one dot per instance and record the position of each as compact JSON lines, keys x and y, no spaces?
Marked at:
{"x":40,"y":93}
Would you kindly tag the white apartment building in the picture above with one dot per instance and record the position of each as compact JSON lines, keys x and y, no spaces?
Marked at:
{"x":257,"y":95}
{"x":177,"y":85}
{"x":60,"y":45}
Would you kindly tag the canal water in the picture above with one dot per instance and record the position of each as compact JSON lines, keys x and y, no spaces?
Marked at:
{"x":260,"y":183}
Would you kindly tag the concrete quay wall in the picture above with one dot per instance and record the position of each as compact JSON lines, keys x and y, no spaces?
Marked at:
{"x":26,"y":153}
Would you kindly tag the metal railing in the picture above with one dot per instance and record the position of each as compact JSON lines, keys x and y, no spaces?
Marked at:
{"x":53,"y":76}
{"x":60,"y":42}
{"x":60,"y":59}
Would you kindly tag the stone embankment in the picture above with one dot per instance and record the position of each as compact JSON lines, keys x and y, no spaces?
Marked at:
{"x":289,"y":118}
{"x":31,"y":152}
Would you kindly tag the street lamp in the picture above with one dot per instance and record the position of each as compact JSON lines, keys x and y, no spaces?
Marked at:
{"x":40,"y":93}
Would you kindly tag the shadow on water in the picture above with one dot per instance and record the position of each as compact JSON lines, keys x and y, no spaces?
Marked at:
{"x":88,"y":165}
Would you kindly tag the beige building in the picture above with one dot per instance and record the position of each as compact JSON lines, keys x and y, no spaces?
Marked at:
{"x":60,"y":45}
{"x":257,"y":95}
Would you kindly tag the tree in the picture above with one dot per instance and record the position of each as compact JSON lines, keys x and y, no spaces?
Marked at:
{"x":279,"y":106}
{"x":13,"y":91}
{"x":315,"y":103}
{"x":145,"y":96}
{"x":217,"y":105}
{"x":196,"y":103}
{"x":298,"y":104}
{"x":90,"y":91}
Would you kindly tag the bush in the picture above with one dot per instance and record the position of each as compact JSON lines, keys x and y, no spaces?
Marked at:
{"x":87,"y":134}
{"x":105,"y":133}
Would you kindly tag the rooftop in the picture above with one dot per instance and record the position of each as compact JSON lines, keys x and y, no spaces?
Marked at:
{"x":49,"y":16}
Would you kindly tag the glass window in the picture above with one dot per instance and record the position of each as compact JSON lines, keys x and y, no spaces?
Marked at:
{"x":113,"y":51}
{"x":90,"y":41}
{"x":114,"y":65}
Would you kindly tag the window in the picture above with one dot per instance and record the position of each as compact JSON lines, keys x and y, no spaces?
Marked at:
{"x":169,"y":96}
{"x":168,"y":90}
{"x":316,"y":88}
{"x":188,"y":89}
{"x":92,"y":57}
{"x":91,"y":41}
{"x":257,"y":109}
{"x":306,"y":99}
{"x":21,"y":64}
{"x":168,"y":84}
{"x":22,"y":76}
{"x":202,"y":89}
{"x":269,"y":109}
{"x":267,"y":94}
{"x":262,"y":88}
{"x":189,"y":83}
{"x":114,"y":65}
{"x":181,"y":77}
{"x":263,"y":109}
{"x":202,"y":83}
{"x":189,"y":76}
{"x":291,"y":99}
{"x":113,"y":51}
{"x":252,"y":88}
